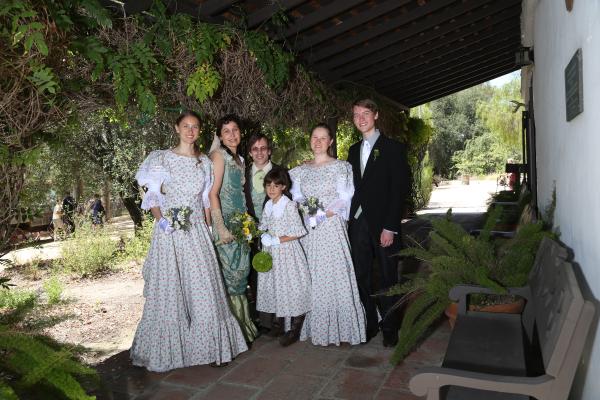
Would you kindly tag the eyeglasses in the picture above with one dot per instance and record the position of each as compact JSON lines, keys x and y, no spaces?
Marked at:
{"x":259,"y":149}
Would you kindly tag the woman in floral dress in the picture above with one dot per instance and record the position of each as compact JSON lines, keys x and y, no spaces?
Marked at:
{"x":226,"y":198}
{"x":186,"y":319}
{"x":336,"y":315}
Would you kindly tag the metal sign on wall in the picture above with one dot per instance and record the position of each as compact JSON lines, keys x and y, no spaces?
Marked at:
{"x":574,"y":86}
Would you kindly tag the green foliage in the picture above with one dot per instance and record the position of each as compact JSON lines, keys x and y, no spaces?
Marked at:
{"x":203,"y":83}
{"x":90,"y":251}
{"x":454,"y":119}
{"x":500,"y":115}
{"x":137,"y":247}
{"x":44,"y":79}
{"x":483,"y":155}
{"x":29,"y":362}
{"x":273,"y":61}
{"x":455,"y":257}
{"x":418,"y":139}
{"x":53,"y":289}
{"x":16,"y":298}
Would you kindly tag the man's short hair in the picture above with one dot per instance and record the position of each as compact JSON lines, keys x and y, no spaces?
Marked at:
{"x":367,"y":103}
{"x":255,"y":137}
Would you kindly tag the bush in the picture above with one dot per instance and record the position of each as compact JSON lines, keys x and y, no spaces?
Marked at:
{"x":89,"y":252}
{"x":137,"y":247}
{"x":15,"y":299}
{"x":53,"y":289}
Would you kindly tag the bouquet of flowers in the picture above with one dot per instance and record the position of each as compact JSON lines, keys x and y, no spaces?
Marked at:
{"x":243,"y":227}
{"x":313,"y":211}
{"x":179,"y":217}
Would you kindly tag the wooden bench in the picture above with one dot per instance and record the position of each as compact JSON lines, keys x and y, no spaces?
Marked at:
{"x":515,"y":356}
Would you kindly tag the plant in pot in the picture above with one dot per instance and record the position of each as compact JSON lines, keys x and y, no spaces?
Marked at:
{"x":455,"y":257}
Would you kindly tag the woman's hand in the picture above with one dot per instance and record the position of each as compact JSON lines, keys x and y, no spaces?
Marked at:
{"x":222,"y":232}
{"x":165,"y":226}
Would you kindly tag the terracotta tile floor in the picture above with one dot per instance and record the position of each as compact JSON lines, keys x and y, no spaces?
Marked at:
{"x":268,"y":371}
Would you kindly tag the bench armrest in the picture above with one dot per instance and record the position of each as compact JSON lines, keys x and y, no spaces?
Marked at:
{"x":429,"y":380}
{"x":459,"y":294}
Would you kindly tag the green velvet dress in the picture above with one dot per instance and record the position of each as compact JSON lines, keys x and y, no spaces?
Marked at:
{"x":234,"y":257}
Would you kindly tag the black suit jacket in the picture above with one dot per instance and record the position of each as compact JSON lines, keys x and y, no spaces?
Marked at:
{"x":248,"y":189}
{"x":382,"y":190}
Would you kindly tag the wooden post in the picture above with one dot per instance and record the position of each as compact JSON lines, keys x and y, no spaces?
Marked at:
{"x":332,"y":122}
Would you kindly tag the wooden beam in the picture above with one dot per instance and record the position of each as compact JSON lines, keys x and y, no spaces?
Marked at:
{"x":391,"y":25}
{"x":424,"y":96}
{"x":443,"y":78}
{"x":456,"y":58}
{"x":454,"y":32}
{"x":263,"y":14}
{"x":212,"y":7}
{"x":454,"y":89}
{"x":320,"y":15}
{"x":306,"y":41}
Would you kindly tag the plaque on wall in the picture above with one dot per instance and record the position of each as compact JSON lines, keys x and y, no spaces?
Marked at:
{"x":574,"y":86}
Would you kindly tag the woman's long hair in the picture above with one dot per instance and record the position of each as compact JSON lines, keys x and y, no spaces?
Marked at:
{"x":224,"y":121}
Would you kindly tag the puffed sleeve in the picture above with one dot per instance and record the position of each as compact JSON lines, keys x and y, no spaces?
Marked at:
{"x":209,"y":176}
{"x":295,"y":190}
{"x":294,"y":225}
{"x":345,"y":190}
{"x":152,"y":174}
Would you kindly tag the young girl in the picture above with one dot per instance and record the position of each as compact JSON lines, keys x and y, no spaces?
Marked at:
{"x":285,"y":289}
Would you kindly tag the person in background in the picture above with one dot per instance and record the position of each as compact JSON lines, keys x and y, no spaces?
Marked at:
{"x":97,"y":211}
{"x":58,"y":221}
{"x":226,"y":199}
{"x":69,"y":205}
{"x":259,"y":149}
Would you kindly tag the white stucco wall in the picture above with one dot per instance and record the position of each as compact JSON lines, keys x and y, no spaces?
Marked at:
{"x":568,"y":153}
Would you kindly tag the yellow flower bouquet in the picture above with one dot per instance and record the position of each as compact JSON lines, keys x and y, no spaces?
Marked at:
{"x":243,"y":227}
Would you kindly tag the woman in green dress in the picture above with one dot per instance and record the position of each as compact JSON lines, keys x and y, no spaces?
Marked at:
{"x":226,"y":198}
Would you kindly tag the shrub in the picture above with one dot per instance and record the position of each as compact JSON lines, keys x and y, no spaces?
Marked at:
{"x":89,"y":252}
{"x":53,"y":289}
{"x":137,"y":247}
{"x":15,"y":299}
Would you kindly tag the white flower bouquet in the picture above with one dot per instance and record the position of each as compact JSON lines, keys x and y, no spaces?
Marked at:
{"x":313,"y":211}
{"x":179,"y":218}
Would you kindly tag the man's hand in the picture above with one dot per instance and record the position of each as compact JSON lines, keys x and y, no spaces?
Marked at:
{"x":386,"y":239}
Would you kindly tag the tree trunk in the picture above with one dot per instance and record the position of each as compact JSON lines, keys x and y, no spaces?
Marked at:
{"x":134,"y":210}
{"x":12,"y":178}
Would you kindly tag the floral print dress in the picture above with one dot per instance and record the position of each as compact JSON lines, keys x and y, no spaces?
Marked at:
{"x":337,"y":314}
{"x":285,"y":290}
{"x":186,"y":319}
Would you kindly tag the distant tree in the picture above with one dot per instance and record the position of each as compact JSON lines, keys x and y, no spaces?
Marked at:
{"x":501,"y":116}
{"x":454,"y":119}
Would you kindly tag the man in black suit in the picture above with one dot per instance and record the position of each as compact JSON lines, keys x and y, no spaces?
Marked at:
{"x":381,"y":184}
{"x":259,"y":147}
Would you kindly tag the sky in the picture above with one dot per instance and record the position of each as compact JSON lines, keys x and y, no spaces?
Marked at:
{"x":505,"y":79}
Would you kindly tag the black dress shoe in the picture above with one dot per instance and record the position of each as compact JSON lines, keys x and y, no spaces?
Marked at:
{"x":370,"y":335}
{"x":390,"y":339}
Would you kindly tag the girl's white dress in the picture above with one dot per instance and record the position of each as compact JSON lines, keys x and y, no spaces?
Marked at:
{"x":285,"y":290}
{"x":186,"y":319}
{"x":337,"y":314}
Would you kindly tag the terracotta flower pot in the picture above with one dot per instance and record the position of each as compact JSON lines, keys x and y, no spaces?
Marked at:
{"x":515,"y":307}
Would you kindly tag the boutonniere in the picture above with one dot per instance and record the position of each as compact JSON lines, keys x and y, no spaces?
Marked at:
{"x":375,"y":154}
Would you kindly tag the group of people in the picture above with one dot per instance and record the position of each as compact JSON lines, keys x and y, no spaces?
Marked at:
{"x":63,"y":214}
{"x":321,"y":284}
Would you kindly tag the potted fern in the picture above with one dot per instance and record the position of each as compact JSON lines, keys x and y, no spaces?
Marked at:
{"x":455,"y":257}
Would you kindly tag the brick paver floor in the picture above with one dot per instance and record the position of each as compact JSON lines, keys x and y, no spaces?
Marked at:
{"x":271,"y":372}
